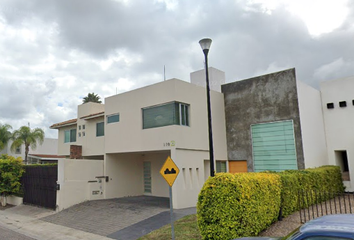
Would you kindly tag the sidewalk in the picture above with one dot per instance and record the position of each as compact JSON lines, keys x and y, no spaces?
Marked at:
{"x":32,"y":227}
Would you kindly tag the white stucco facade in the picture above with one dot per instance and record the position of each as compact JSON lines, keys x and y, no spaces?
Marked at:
{"x":312,"y":126}
{"x":339,"y":123}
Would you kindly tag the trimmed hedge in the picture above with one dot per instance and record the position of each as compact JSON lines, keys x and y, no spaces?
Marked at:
{"x":244,"y":204}
{"x":325,"y":179}
{"x":231,"y":206}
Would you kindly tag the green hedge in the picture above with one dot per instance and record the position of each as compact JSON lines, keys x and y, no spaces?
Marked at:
{"x":325,"y":179}
{"x":11,"y":170}
{"x":231,"y":206}
{"x":244,"y":204}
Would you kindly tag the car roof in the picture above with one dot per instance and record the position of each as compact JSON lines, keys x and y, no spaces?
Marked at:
{"x":337,"y":222}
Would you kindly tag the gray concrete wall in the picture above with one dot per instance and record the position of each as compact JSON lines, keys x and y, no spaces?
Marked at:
{"x":268,"y":98}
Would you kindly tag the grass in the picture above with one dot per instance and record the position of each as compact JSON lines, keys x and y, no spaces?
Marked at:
{"x":185,"y":228}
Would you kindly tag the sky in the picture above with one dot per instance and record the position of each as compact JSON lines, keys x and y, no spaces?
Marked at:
{"x":53,"y":53}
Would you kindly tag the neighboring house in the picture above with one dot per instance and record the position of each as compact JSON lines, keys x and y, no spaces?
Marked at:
{"x":135,"y":132}
{"x":274,"y":122}
{"x":49,"y":147}
{"x":271,"y":122}
{"x":338,"y":111}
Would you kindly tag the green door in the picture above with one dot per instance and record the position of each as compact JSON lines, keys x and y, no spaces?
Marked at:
{"x":147,"y":177}
{"x":273,"y":146}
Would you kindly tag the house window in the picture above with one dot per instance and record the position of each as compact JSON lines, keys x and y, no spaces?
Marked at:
{"x":83,"y":126}
{"x":70,"y":136}
{"x":99,"y":129}
{"x":18,"y":150}
{"x":79,"y":134}
{"x":83,"y":134}
{"x":79,"y":127}
{"x":220,"y":166}
{"x":174,"y":113}
{"x":113,"y":118}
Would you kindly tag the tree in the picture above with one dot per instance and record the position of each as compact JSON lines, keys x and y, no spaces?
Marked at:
{"x":28,"y":137}
{"x":91,"y":97}
{"x":5,"y":135}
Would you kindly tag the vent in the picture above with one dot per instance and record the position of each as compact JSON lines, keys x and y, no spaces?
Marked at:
{"x":330,"y":105}
{"x":342,"y":104}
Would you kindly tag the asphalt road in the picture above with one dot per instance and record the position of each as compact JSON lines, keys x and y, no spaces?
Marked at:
{"x":7,"y":234}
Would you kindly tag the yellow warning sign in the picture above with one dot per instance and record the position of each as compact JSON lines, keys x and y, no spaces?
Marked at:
{"x":169,"y":171}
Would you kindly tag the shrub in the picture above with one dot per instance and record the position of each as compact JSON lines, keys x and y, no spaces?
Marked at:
{"x":311,"y":181}
{"x":11,"y":170}
{"x":231,"y":206}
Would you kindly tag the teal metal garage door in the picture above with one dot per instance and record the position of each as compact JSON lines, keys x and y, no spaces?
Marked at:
{"x":273,"y":146}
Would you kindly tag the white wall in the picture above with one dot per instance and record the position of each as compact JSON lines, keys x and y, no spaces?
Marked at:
{"x":312,"y":126}
{"x":128,"y":134}
{"x":74,"y":176}
{"x":216,"y":78}
{"x":339,"y":121}
{"x":191,"y":177}
{"x":125,"y":173}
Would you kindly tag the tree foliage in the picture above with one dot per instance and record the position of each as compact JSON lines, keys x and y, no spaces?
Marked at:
{"x":91,"y":97}
{"x":11,"y":170}
{"x":29,"y":138}
{"x":5,"y":135}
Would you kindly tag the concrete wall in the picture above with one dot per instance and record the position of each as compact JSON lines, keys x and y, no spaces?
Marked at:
{"x":312,"y":126}
{"x":78,"y":181}
{"x":268,"y":98}
{"x":339,"y":121}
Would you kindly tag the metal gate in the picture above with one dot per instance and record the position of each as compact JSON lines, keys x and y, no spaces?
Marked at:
{"x":39,"y":185}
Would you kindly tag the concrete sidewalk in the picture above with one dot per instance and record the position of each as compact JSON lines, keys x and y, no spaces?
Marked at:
{"x":31,"y":226}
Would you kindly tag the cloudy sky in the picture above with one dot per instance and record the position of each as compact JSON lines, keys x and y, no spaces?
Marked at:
{"x":54,"y":52}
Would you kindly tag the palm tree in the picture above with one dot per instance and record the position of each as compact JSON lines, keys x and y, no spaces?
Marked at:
{"x":91,"y":97}
{"x":5,"y":135}
{"x":28,"y":137}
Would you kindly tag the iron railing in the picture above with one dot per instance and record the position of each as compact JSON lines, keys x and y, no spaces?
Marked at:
{"x":313,"y":204}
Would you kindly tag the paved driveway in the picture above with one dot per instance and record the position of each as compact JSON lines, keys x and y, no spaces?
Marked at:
{"x":120,"y":218}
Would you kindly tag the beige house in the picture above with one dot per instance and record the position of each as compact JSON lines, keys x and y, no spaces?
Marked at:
{"x":133,"y":133}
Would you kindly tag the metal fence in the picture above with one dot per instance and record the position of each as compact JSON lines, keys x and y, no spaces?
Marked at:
{"x":40,"y":186}
{"x":325,"y":203}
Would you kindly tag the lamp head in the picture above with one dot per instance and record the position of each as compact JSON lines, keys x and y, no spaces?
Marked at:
{"x":205,"y":43}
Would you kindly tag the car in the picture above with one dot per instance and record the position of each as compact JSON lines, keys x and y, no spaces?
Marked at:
{"x":329,"y":227}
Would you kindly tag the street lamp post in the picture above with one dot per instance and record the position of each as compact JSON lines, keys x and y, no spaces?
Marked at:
{"x":205,"y":44}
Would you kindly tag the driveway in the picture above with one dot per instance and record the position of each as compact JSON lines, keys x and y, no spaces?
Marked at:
{"x":121,"y":218}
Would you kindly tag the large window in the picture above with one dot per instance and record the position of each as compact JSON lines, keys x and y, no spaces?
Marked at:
{"x":99,"y":129}
{"x":273,"y":146}
{"x":113,"y":118}
{"x":70,"y":135}
{"x":173,"y":113}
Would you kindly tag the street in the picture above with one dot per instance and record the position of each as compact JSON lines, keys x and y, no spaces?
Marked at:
{"x":7,"y":234}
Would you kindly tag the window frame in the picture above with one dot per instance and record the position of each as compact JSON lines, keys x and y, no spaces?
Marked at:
{"x":180,"y":114}
{"x":98,"y":134}
{"x":71,"y":135}
{"x":111,"y":116}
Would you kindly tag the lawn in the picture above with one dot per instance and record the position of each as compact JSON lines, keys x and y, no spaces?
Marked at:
{"x":186,"y":228}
